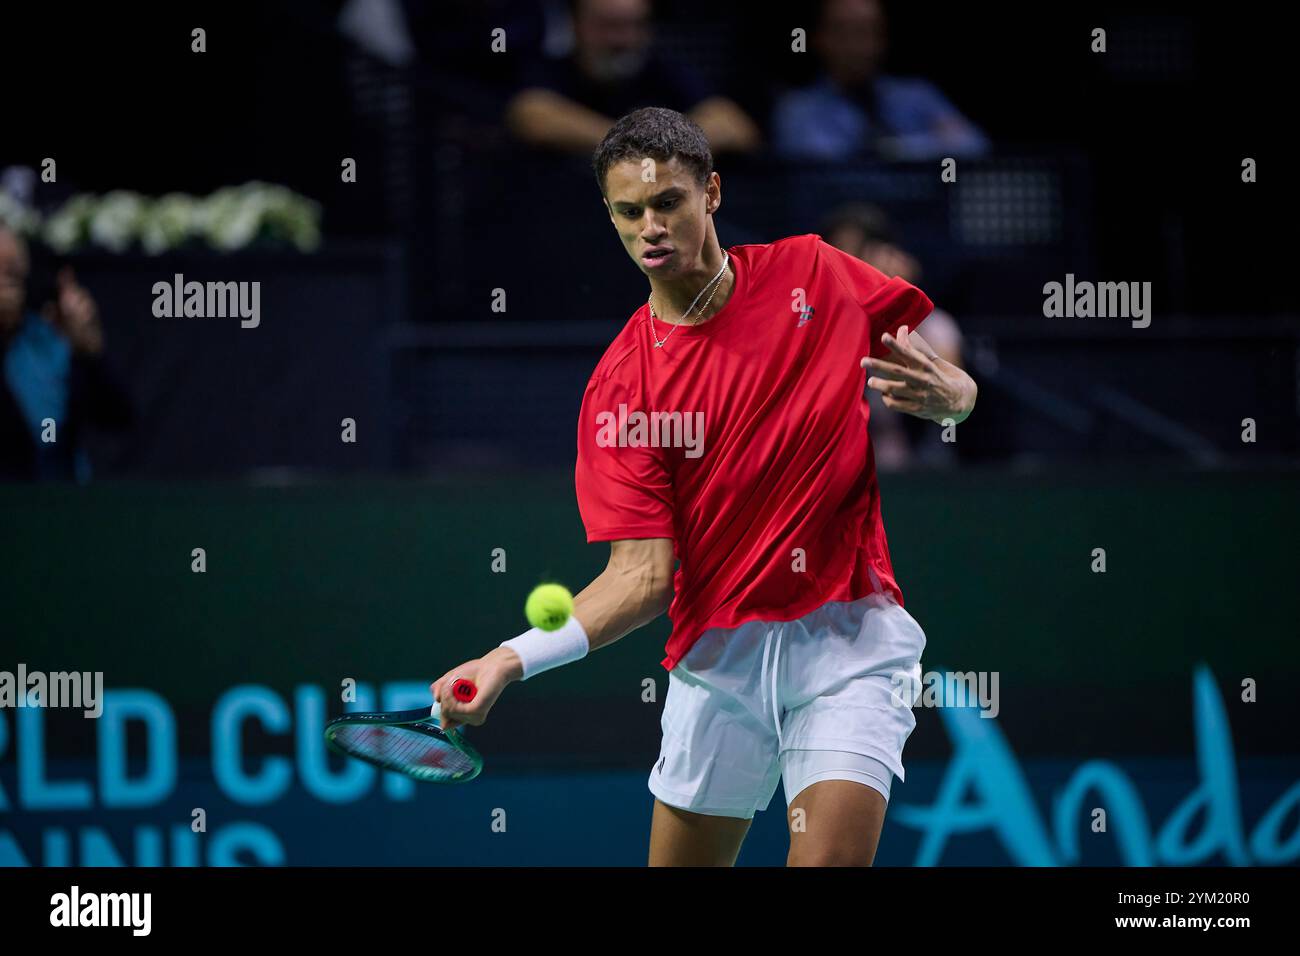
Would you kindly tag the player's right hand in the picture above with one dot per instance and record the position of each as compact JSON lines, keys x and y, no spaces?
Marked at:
{"x":490,"y":674}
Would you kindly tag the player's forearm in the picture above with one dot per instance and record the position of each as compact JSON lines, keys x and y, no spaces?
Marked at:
{"x":618,"y":601}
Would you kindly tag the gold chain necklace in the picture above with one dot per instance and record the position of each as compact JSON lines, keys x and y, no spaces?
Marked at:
{"x":712,"y":282}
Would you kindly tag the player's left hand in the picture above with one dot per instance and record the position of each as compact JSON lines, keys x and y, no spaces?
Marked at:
{"x":918,"y":382}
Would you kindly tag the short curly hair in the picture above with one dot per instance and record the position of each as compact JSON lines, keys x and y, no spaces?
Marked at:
{"x":659,"y":134}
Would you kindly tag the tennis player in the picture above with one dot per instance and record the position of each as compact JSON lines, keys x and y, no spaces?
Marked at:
{"x":789,"y":644}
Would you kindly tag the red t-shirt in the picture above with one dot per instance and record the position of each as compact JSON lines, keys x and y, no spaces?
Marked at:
{"x":756,"y":462}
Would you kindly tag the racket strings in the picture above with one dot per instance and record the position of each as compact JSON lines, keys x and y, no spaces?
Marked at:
{"x":408,"y":750}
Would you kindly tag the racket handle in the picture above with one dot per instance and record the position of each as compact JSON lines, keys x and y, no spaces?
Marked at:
{"x":464,"y":690}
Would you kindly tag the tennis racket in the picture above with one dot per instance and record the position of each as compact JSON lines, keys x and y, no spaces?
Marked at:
{"x":411,"y":742}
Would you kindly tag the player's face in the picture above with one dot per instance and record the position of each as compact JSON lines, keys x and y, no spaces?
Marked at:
{"x":661,"y":213}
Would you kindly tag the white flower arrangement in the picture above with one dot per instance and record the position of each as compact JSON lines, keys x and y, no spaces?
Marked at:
{"x":230,"y":219}
{"x":69,"y":227}
{"x":22,"y":220}
{"x":115,"y":221}
{"x":168,"y":223}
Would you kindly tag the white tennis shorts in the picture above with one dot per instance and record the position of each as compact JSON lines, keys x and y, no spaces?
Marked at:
{"x":826,"y":697}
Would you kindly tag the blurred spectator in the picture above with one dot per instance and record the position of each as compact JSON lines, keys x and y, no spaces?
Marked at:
{"x":571,"y":102}
{"x":854,"y":109}
{"x":51,"y":367}
{"x":380,"y":28}
{"x":899,"y":440}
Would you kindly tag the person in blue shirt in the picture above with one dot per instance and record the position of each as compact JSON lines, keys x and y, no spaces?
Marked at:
{"x":854,"y":110}
{"x":54,"y":382}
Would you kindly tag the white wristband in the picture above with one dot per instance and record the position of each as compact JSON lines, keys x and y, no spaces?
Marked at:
{"x":541,"y":650}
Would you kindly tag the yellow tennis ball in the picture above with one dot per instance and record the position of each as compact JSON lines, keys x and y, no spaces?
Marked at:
{"x":549,"y":606}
